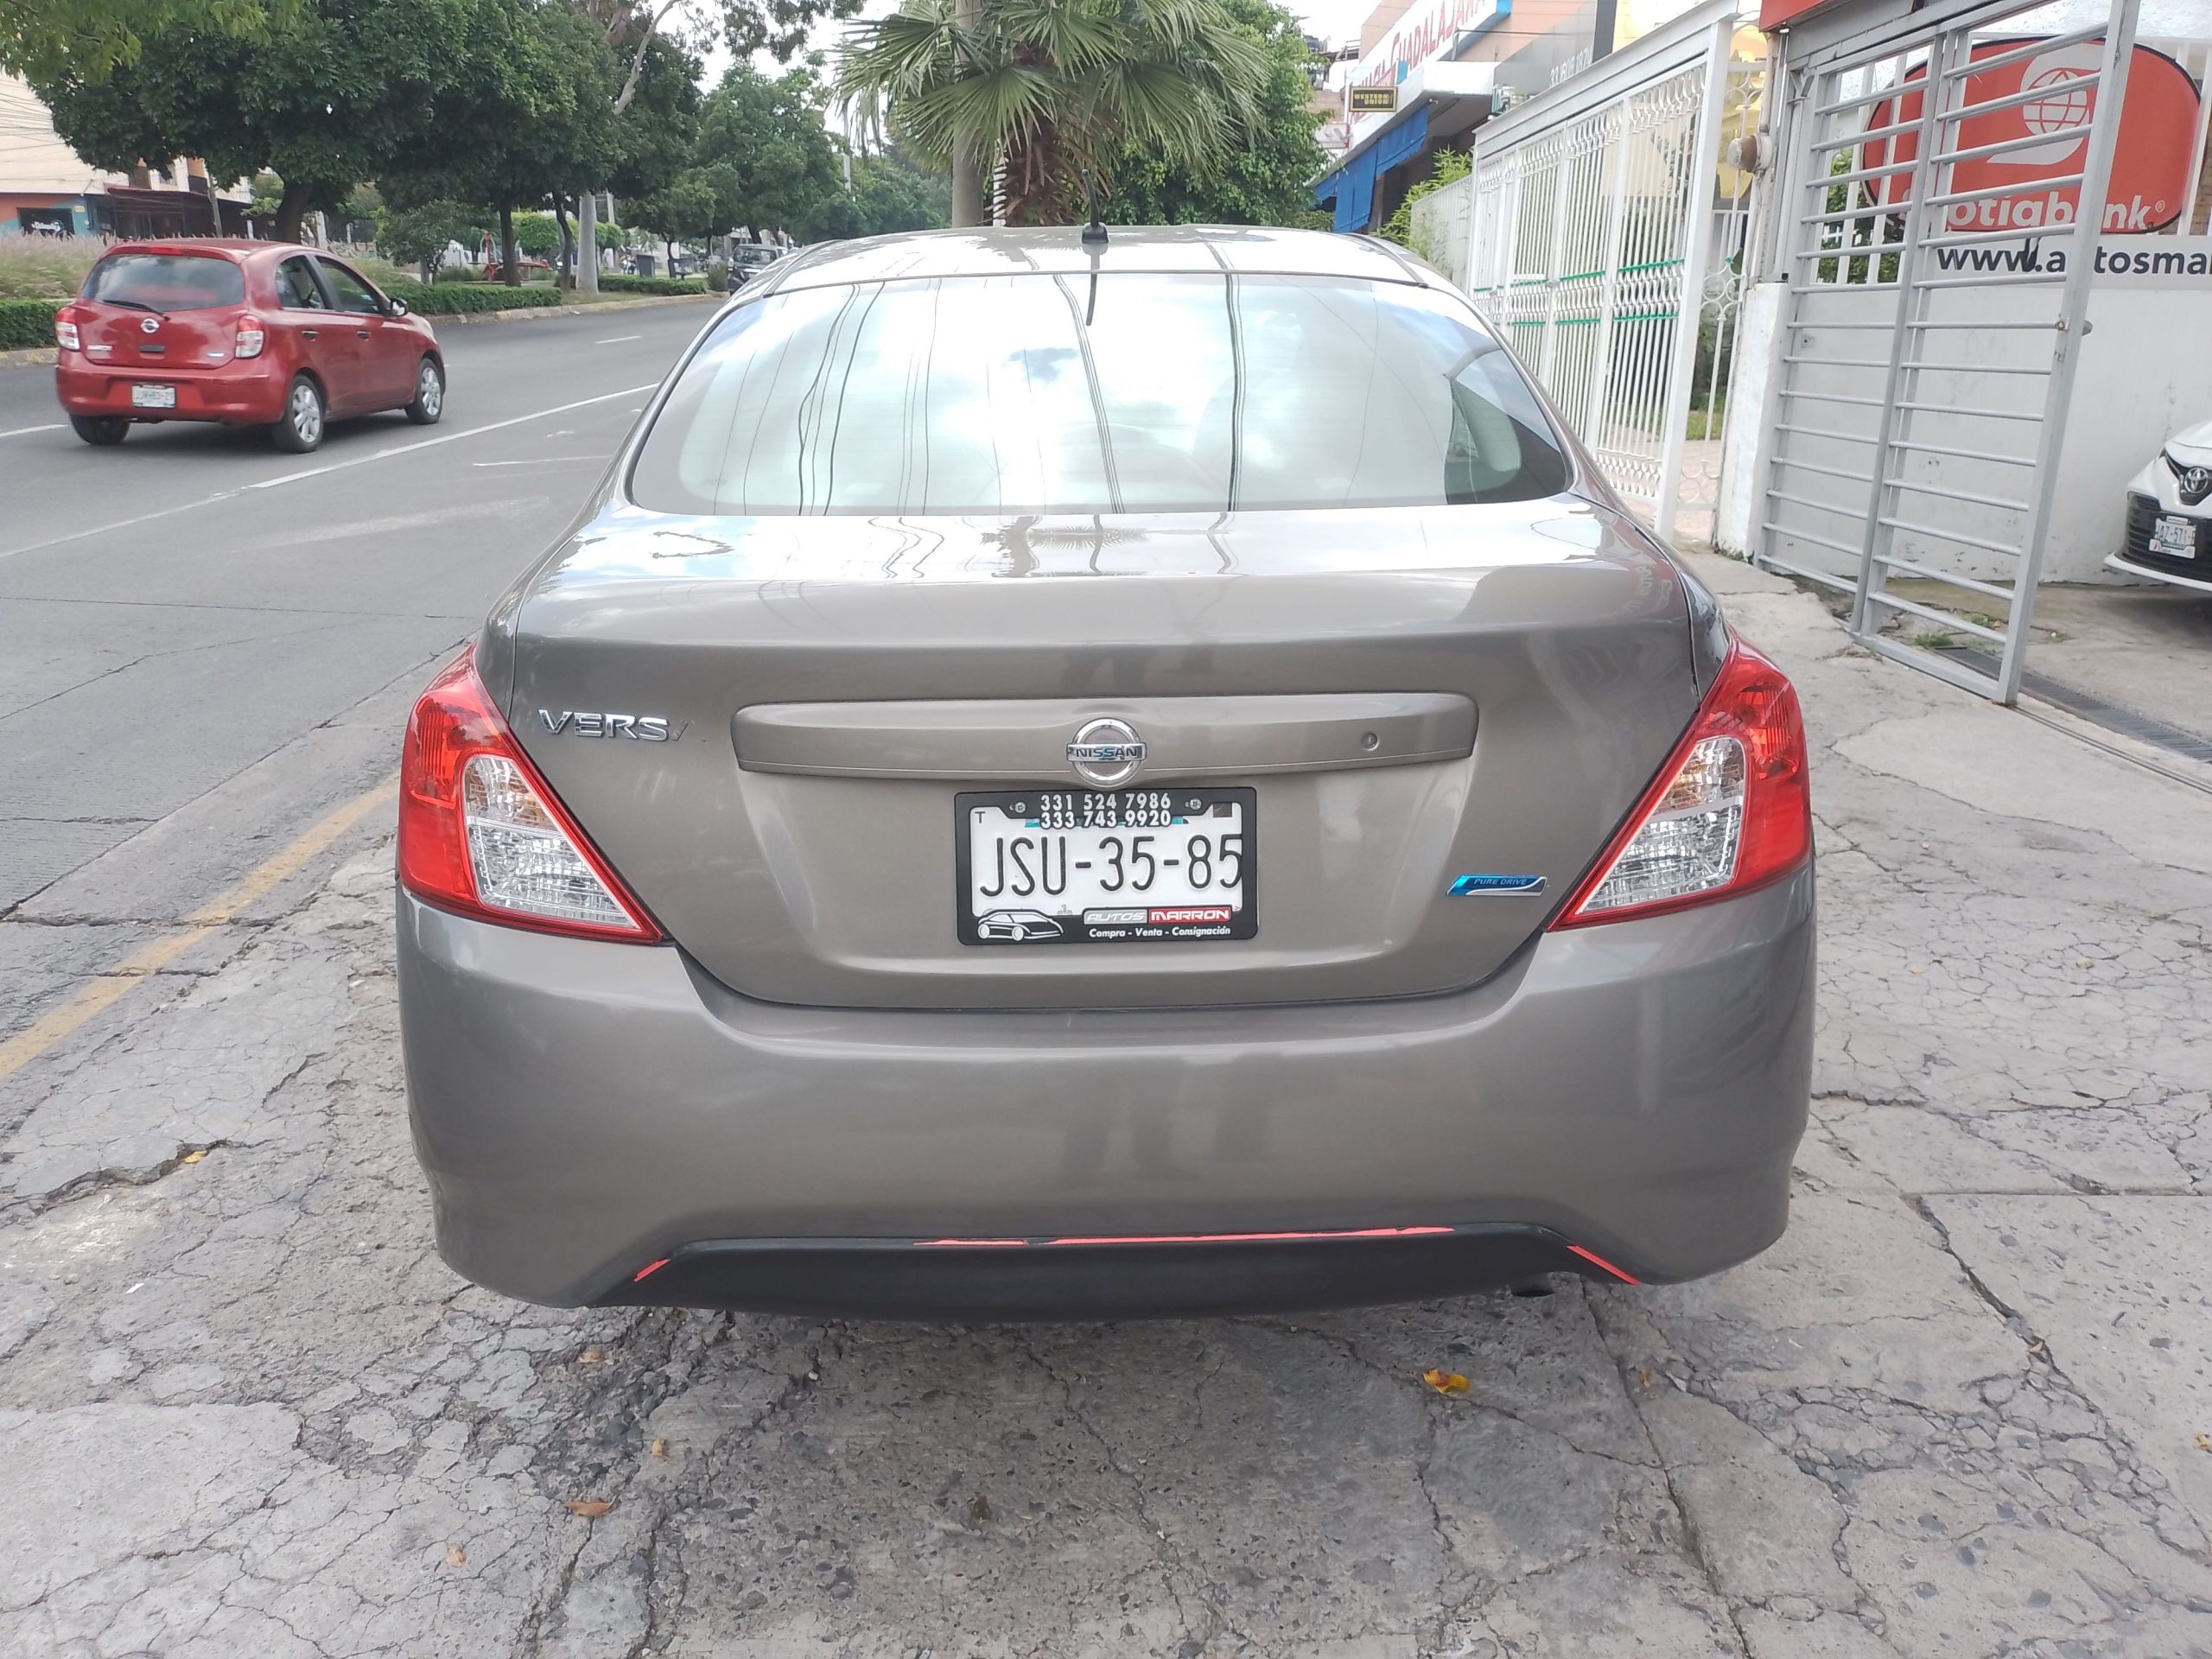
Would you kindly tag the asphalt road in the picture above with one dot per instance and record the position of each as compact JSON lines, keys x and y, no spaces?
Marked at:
{"x":206,"y":643}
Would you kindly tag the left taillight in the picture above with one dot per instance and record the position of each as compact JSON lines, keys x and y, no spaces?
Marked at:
{"x":481,"y":833}
{"x":65,"y":333}
{"x":1731,"y":810}
{"x":250,"y":338}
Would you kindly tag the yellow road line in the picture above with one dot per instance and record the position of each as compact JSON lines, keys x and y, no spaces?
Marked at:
{"x":26,"y":1046}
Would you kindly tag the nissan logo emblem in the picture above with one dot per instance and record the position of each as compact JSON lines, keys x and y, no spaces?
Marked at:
{"x":1107,"y":753}
{"x":150,"y":324}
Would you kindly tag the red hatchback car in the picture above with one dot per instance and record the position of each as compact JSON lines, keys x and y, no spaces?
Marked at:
{"x":246,"y":333}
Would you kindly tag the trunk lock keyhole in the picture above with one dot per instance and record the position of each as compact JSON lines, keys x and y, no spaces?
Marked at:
{"x":1370,"y":742}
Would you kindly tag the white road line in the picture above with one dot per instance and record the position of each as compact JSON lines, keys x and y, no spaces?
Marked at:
{"x":449,"y":437}
{"x":22,"y":431}
{"x":316,"y":472}
{"x":540,"y":460}
{"x":616,"y":340}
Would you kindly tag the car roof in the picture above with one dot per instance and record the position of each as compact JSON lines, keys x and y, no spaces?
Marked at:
{"x":236,"y":248}
{"x":1059,"y":250}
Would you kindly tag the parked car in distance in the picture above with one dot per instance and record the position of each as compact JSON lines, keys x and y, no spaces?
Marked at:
{"x":2169,"y":535}
{"x":244,"y":333}
{"x":1073,"y":779}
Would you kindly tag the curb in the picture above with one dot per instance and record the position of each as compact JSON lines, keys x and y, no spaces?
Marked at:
{"x":532,"y":314}
{"x":32,"y":357}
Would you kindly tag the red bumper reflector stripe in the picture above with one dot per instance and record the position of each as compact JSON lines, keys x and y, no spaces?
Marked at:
{"x":1592,"y":1256}
{"x":648,"y":1270}
{"x":1187,"y":1238}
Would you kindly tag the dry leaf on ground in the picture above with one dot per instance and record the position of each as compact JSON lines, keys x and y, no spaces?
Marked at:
{"x":456,"y":1556}
{"x":660,"y":1448}
{"x":194,"y":1157}
{"x":1446,"y":1382}
{"x":590,"y":1508}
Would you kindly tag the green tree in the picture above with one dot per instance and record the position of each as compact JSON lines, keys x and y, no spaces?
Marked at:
{"x":531,"y":118}
{"x":421,"y":234}
{"x":536,"y":235}
{"x":687,"y":210}
{"x":1448,"y":167}
{"x":762,"y":148}
{"x":1265,"y":179}
{"x":49,"y":40}
{"x":324,"y":100}
{"x":639,"y":32}
{"x":889,"y":192}
{"x":1045,"y":89}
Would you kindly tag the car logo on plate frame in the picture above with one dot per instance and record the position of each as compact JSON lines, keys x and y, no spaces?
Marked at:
{"x":1107,"y":753}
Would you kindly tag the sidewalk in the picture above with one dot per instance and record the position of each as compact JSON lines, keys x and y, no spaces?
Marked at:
{"x":1963,"y":1408}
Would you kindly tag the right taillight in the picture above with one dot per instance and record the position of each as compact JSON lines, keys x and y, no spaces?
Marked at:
{"x":1731,"y":810}
{"x":251,"y":338}
{"x":481,"y":833}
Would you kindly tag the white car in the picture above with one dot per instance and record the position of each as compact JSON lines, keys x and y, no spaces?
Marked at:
{"x":2169,"y":514}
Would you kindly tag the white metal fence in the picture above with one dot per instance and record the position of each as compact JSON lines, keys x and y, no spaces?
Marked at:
{"x":1595,"y":241}
{"x":1926,"y":363}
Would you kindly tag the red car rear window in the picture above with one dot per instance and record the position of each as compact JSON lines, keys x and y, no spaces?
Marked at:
{"x":166,"y":282}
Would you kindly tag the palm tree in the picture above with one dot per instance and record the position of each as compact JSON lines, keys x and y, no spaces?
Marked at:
{"x":1045,"y":90}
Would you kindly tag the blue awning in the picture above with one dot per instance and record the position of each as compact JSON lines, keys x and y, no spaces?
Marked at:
{"x":1351,"y":187}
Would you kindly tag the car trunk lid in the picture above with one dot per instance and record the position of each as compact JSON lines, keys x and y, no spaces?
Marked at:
{"x":766,"y":725}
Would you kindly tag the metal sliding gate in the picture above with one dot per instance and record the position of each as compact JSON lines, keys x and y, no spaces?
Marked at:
{"x":1934,"y":320}
{"x":1594,"y":245}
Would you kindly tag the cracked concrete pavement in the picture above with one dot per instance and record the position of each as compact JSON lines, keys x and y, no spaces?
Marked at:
{"x":1963,"y":1408}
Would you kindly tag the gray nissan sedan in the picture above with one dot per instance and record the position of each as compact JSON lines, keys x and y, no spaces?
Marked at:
{"x":1073,"y":779}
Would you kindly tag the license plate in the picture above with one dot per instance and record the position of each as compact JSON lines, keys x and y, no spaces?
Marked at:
{"x":153,"y":396}
{"x":1122,"y":867}
{"x":2174,"y":536}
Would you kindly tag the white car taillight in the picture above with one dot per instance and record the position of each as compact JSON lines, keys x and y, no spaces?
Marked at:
{"x":66,"y":336}
{"x":250,"y":338}
{"x":1731,"y":810}
{"x":481,"y":832}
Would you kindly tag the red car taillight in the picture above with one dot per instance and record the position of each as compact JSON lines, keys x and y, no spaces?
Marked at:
{"x":251,"y":338}
{"x":479,"y":831}
{"x":1732,"y":809}
{"x":65,"y":333}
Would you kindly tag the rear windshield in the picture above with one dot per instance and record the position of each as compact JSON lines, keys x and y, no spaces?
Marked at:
{"x":167,"y":281}
{"x":1126,"y":393}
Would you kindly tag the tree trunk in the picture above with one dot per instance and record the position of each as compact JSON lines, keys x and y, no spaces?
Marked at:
{"x":291,"y":213}
{"x":967,"y":163}
{"x":588,"y":243}
{"x":568,"y":242}
{"x":510,"y":256}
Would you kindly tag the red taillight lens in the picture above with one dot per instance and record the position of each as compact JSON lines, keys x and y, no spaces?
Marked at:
{"x":1732,"y":809}
{"x":481,"y":832}
{"x":65,"y":332}
{"x":251,"y":338}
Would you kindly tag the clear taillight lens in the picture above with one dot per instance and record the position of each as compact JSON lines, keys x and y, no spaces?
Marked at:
{"x":251,"y":338}
{"x":481,"y":833}
{"x":521,"y":858}
{"x":1731,"y":810}
{"x":1689,"y":843}
{"x":66,"y":336}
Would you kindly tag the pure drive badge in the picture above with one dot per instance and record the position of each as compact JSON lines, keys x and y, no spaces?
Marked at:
{"x":1470,"y":886}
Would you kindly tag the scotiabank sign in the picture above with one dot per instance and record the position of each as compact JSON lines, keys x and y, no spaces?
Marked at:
{"x":2150,"y":166}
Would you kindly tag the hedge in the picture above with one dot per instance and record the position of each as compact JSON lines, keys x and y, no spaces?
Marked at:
{"x":615,"y":282}
{"x":449,"y":299}
{"x":26,"y":322}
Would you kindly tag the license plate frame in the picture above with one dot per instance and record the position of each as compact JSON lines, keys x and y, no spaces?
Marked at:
{"x":146,"y":394}
{"x":1048,"y":809}
{"x":2173,"y":535}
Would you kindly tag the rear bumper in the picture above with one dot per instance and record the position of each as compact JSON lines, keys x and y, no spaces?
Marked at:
{"x":242,"y":394}
{"x":584,"y":1109}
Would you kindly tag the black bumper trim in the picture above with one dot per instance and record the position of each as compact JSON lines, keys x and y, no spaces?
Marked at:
{"x":1046,"y":1278}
